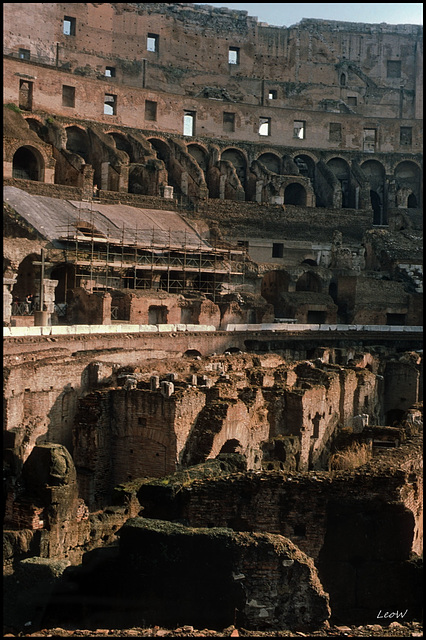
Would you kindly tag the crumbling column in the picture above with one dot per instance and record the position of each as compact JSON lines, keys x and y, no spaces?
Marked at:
{"x":167,"y":389}
{"x":7,"y":298}
{"x":155,"y":383}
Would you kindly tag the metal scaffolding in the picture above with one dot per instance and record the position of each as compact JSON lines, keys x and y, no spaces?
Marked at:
{"x":148,"y":259}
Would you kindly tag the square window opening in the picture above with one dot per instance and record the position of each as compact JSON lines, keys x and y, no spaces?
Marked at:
{"x":24,"y":54}
{"x":272,"y":94}
{"x":110,"y":72}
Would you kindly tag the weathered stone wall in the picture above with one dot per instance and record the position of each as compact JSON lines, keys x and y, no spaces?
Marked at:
{"x":355,"y":525}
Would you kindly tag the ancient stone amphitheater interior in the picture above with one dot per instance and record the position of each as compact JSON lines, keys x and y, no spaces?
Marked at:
{"x":212,"y":319}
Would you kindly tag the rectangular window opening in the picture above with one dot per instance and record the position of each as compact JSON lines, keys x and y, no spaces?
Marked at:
{"x":68,"y":96}
{"x":352,"y":101}
{"x":277,"y":250}
{"x":335,"y":134}
{"x":229,"y":121}
{"x":299,"y":129}
{"x":110,"y":72}
{"x":189,"y":123}
{"x":272,"y":94}
{"x":369,"y":141}
{"x":406,"y":136}
{"x":110,"y":105}
{"x":150,"y":110}
{"x":69,"y":26}
{"x":24,"y":54}
{"x":234,"y":55}
{"x":152,"y":42}
{"x":25,"y":95}
{"x":393,"y":68}
{"x":264,"y":126}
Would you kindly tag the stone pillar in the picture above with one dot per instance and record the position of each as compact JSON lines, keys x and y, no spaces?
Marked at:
{"x":104,"y":176}
{"x":166,"y":191}
{"x":7,"y":298}
{"x":155,"y":383}
{"x":222,"y":185}
{"x":167,"y":389}
{"x":49,"y":287}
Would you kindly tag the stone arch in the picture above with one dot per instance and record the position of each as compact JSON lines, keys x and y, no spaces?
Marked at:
{"x":78,"y":142}
{"x":122,"y":143}
{"x":275,"y":283}
{"x":26,"y":279}
{"x":271,"y":161}
{"x":40,"y":129}
{"x":295,"y":193}
{"x":375,"y":173}
{"x":200,"y":155}
{"x":306,"y":165}
{"x":192,"y":353}
{"x":341,"y":170}
{"x":408,"y":177}
{"x":231,"y":446}
{"x":309,"y":281}
{"x":238,"y":159}
{"x":28,"y":164}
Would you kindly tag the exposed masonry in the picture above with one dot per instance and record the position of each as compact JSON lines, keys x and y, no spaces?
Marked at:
{"x":170,"y":165}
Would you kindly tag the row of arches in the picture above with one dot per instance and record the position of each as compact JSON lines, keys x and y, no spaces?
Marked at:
{"x":137,"y":164}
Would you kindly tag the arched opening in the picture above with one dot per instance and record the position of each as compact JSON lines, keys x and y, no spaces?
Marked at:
{"x":340,"y":168}
{"x":200,"y":156}
{"x":65,"y":274}
{"x":273,"y":284}
{"x":295,"y":194}
{"x":408,"y":176}
{"x":40,"y":130}
{"x":332,"y":291}
{"x":375,"y":174}
{"x":376,"y":206}
{"x":192,"y":353}
{"x":412,"y":201}
{"x":271,"y":162}
{"x":26,"y":281}
{"x":306,"y":166}
{"x":309,"y":282}
{"x":231,"y":446}
{"x":237,"y":159}
{"x":394,"y":416}
{"x":78,"y":142}
{"x":122,"y":144}
{"x":27,"y":165}
{"x":310,"y":262}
